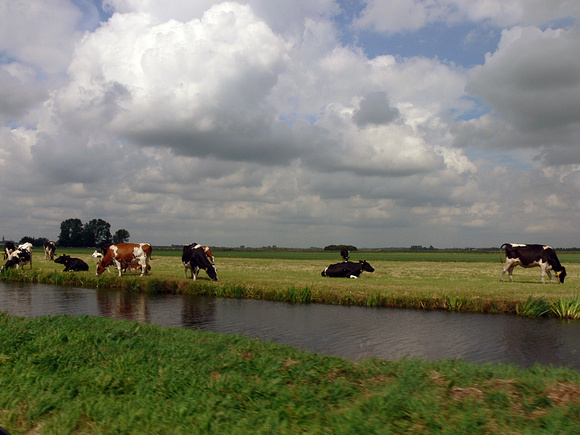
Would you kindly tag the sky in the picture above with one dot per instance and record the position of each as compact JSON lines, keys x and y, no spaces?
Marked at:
{"x":293,"y":123}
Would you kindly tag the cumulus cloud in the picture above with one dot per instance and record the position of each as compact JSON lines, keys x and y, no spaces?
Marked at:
{"x":253,"y":122}
{"x":532,"y":85}
{"x":211,"y":77}
{"x":409,"y":15}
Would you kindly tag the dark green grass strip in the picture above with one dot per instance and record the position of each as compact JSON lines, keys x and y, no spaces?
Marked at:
{"x":67,"y":374}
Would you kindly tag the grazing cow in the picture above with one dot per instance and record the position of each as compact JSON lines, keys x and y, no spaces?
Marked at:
{"x":9,"y":248}
{"x":194,"y":257}
{"x":18,"y":258}
{"x":28,"y":248}
{"x":540,"y":256}
{"x":72,"y":264}
{"x":49,"y":250}
{"x":347,"y":269}
{"x":344,"y":254}
{"x":123,"y":254}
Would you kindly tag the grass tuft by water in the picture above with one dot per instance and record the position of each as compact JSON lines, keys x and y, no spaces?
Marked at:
{"x":534,"y":307}
{"x":567,"y":308}
{"x":299,"y":295}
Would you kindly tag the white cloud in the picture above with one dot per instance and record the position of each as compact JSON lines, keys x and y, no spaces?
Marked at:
{"x":251,"y":123}
{"x":532,"y":83}
{"x":411,"y":15}
{"x":41,"y":33}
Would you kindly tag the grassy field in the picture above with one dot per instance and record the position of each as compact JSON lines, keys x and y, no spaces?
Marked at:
{"x":459,"y":281}
{"x":62,"y":375}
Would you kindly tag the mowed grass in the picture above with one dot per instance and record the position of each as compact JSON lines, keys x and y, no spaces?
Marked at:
{"x":462,"y":281}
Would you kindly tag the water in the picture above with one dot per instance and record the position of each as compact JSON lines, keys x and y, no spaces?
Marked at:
{"x":350,"y":332}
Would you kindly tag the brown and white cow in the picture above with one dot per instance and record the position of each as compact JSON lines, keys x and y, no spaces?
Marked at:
{"x":125,"y":254}
{"x":540,"y":256}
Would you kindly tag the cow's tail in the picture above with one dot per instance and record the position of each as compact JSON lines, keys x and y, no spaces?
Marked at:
{"x":500,"y":248}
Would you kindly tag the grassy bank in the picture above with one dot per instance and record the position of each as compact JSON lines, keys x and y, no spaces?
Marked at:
{"x":455,"y":281}
{"x":95,"y":375}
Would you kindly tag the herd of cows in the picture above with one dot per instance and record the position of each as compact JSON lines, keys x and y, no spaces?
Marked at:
{"x":125,"y":256}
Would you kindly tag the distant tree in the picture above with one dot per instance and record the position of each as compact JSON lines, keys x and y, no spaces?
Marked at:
{"x":121,"y":236}
{"x":96,"y":233}
{"x":71,"y":233}
{"x":339,"y":247}
{"x":36,"y":242}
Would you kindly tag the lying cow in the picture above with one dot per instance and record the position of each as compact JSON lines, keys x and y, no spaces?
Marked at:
{"x":18,"y":258}
{"x":49,"y":250}
{"x":347,"y":269}
{"x":72,"y":264}
{"x":540,"y":256}
{"x":124,"y":254}
{"x":195,"y":257}
{"x":9,"y":248}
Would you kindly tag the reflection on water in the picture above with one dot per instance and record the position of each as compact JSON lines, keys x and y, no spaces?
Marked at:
{"x":350,"y":332}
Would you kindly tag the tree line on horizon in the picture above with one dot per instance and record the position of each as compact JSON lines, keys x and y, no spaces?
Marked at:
{"x":97,"y":232}
{"x":75,"y":234}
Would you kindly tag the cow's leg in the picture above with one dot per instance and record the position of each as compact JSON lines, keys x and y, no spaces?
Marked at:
{"x":143,"y":264}
{"x":544,"y":268}
{"x":509,"y":268}
{"x":118,"y":265}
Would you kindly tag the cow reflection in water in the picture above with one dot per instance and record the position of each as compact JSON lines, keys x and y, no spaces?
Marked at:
{"x":347,"y":269}
{"x":123,"y":305}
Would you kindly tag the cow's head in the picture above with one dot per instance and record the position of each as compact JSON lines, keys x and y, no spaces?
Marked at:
{"x":212,"y":272}
{"x":100,"y":267}
{"x":12,"y":262}
{"x":366,"y":266}
{"x":561,"y":275}
{"x":62,"y":259}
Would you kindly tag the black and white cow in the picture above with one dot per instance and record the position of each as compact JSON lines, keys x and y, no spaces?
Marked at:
{"x":72,"y":264}
{"x":49,"y":250}
{"x":28,"y":248}
{"x":195,"y":258}
{"x":18,"y":258}
{"x":540,"y":256}
{"x":344,"y":254}
{"x":347,"y":269}
{"x":9,"y":248}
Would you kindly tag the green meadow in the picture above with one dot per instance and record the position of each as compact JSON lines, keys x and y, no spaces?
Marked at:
{"x":457,"y":281}
{"x":62,"y":374}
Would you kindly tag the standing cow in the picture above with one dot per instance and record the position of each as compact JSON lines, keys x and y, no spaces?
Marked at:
{"x":347,"y":269}
{"x":18,"y":258}
{"x":28,"y":248}
{"x":195,"y":257}
{"x":49,"y":250}
{"x":540,"y":256}
{"x":124,"y":254}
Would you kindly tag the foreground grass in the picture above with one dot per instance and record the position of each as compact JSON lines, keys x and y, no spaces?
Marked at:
{"x":456,"y":281}
{"x":94,"y":375}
